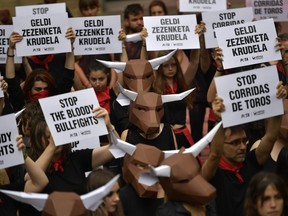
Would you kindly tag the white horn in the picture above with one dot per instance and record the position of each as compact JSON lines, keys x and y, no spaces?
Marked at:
{"x":128,"y":93}
{"x":156,"y":62}
{"x":202,"y":143}
{"x":93,"y":199}
{"x":37,"y":200}
{"x":118,"y":66}
{"x":17,"y":114}
{"x":161,"y":171}
{"x":175,"y":97}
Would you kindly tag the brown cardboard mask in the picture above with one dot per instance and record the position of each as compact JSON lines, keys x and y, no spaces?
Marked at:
{"x":64,"y":204}
{"x":138,"y":75}
{"x":146,"y":112}
{"x":185,"y":183}
{"x":135,"y":165}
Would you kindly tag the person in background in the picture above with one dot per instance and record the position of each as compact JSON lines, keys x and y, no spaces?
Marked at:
{"x":170,"y":80}
{"x":36,"y":183}
{"x":157,"y":8}
{"x":266,"y":195}
{"x":230,"y":167}
{"x":40,"y":82}
{"x":111,"y":205}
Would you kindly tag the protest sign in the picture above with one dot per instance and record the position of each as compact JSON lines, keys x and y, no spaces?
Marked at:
{"x":96,"y":35}
{"x":201,"y":5}
{"x":42,"y":34}
{"x":218,"y":19}
{"x":69,"y":116}
{"x":248,"y":43}
{"x":9,"y":153}
{"x":85,"y":144}
{"x":276,"y":9}
{"x":171,"y":32}
{"x":249,"y":96}
{"x":5,"y":32}
{"x":40,"y":9}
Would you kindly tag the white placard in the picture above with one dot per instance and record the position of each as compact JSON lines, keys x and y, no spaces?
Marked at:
{"x":9,"y":153}
{"x":248,"y":43}
{"x":69,"y":116}
{"x":42,"y":34}
{"x":249,"y":96}
{"x":86,"y":144}
{"x":5,"y":32}
{"x":278,"y":10}
{"x":96,"y":35}
{"x":200,"y":5}
{"x":40,"y":9}
{"x":171,"y":32}
{"x":219,"y":19}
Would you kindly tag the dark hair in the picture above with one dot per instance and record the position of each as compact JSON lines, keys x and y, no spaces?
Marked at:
{"x":96,"y":179}
{"x":39,"y":141}
{"x":159,"y":84}
{"x":283,"y":36}
{"x":160,"y":4}
{"x":38,"y":75}
{"x":256,"y":190}
{"x":133,"y":9}
{"x":94,"y":66}
{"x":83,"y":4}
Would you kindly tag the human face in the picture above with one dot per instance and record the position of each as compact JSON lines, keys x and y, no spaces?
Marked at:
{"x":169,"y":68}
{"x":39,"y":86}
{"x":272,"y":202}
{"x":89,"y":11}
{"x":134,"y":22}
{"x":157,"y":11}
{"x":235,"y":146}
{"x":98,"y":80}
{"x":112,"y":199}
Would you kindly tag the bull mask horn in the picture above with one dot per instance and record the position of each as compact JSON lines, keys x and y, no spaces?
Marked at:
{"x":200,"y":145}
{"x":91,"y":200}
{"x":17,"y":114}
{"x":161,"y":171}
{"x":156,"y":62}
{"x":176,"y":97}
{"x":128,"y":93}
{"x":119,"y":147}
{"x":118,"y":66}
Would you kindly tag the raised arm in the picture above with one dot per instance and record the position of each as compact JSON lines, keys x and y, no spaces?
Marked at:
{"x":10,"y":67}
{"x":272,"y":128}
{"x":38,"y":179}
{"x":102,"y":155}
{"x":218,"y":57}
{"x":216,"y":148}
{"x":70,"y":59}
{"x":3,"y":86}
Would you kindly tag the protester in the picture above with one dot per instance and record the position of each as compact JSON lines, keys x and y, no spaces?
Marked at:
{"x":90,"y":8}
{"x":111,"y":205}
{"x":39,"y":83}
{"x":266,"y":195}
{"x":229,"y":167}
{"x":157,"y":8}
{"x":36,"y":183}
{"x":170,"y":80}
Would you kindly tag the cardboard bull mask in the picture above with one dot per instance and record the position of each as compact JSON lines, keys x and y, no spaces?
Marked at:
{"x":64,"y":203}
{"x":137,"y":163}
{"x":138,"y":74}
{"x":183,"y":181}
{"x":146,"y":108}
